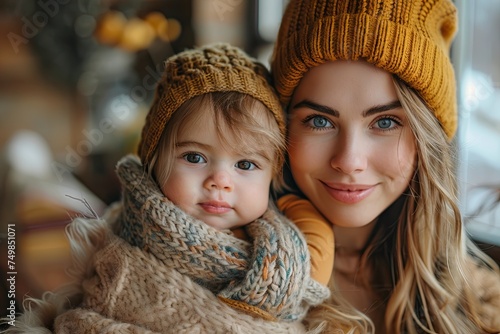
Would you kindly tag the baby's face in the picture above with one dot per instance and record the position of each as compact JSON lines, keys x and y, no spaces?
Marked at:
{"x":222,"y":185}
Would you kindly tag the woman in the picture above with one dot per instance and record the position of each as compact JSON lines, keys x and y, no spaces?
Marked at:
{"x":370,"y":94}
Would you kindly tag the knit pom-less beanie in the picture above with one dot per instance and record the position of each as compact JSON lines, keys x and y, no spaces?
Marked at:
{"x":409,"y":38}
{"x":217,"y":67}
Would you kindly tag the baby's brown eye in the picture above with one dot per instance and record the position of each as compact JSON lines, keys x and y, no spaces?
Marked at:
{"x":194,"y":158}
{"x":245,"y":165}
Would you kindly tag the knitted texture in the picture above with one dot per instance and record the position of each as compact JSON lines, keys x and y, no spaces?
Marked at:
{"x":409,"y":38}
{"x":272,"y":274}
{"x":213,"y":68}
{"x":132,"y":291}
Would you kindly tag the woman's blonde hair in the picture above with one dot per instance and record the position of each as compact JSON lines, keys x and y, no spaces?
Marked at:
{"x":423,"y":250}
{"x":233,"y":112}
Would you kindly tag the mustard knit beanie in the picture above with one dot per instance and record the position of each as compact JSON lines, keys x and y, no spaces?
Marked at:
{"x":409,"y":38}
{"x":213,"y":68}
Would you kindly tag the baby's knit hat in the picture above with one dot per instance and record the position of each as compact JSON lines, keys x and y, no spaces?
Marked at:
{"x":217,"y":67}
{"x":409,"y":38}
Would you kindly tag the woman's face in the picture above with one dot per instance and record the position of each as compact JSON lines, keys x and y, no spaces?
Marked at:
{"x":351,"y":149}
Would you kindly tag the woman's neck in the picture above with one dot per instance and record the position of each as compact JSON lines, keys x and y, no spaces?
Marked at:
{"x":352,"y":240}
{"x":354,"y":282}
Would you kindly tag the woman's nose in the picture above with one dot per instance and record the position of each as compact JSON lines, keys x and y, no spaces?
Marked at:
{"x":219,"y":180}
{"x":350,"y":154}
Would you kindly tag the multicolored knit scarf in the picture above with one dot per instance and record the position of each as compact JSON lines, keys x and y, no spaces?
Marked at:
{"x":271,"y":273}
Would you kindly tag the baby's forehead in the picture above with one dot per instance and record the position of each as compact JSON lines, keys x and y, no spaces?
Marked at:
{"x":236,"y":137}
{"x":246,"y":143}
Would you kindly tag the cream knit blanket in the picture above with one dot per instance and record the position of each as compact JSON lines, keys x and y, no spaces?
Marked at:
{"x":134,"y":292}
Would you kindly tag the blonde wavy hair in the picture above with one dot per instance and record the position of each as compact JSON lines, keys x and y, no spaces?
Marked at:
{"x":422,"y":250}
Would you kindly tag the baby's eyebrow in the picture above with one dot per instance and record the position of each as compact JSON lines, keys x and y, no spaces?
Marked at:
{"x":192,"y":143}
{"x":241,"y":150}
{"x":257,"y":152}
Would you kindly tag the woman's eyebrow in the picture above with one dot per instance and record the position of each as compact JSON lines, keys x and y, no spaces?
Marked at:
{"x":316,"y":106}
{"x":381,"y":108}
{"x":327,"y":110}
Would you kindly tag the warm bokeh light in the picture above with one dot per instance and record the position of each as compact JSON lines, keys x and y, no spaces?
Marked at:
{"x":135,"y":33}
{"x":110,"y":27}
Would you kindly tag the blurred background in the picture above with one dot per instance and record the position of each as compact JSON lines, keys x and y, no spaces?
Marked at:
{"x":76,"y":81}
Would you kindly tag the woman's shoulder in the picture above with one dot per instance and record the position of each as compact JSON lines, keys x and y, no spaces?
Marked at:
{"x":484,"y":279}
{"x":485,"y":283}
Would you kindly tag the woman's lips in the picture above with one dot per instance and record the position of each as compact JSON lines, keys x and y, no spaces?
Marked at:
{"x":216,"y":207}
{"x":348,"y":193}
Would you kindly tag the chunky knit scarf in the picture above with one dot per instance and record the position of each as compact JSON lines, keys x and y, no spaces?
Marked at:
{"x":270,"y":275}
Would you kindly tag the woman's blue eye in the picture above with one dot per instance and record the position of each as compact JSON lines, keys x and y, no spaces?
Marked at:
{"x":194,"y":158}
{"x":387,"y":123}
{"x":384,"y":123}
{"x":320,"y":122}
{"x":245,"y":165}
